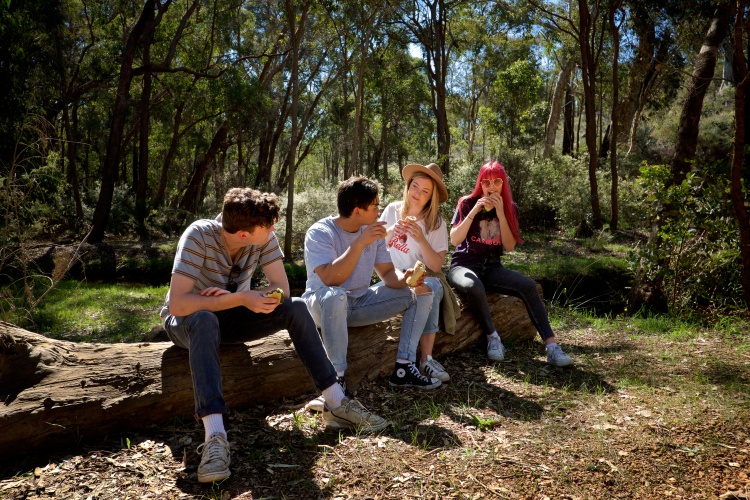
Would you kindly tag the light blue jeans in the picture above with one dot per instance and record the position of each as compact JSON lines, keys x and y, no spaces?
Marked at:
{"x":437,"y":297}
{"x":334,"y":313}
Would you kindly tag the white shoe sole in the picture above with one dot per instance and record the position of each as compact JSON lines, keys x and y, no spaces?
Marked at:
{"x":213,"y":477}
{"x":316,"y":404}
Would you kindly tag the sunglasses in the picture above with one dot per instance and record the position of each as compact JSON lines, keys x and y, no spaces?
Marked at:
{"x":233,"y":273}
{"x":498,"y":183}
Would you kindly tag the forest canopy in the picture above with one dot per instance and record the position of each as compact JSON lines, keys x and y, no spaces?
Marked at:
{"x":131,"y":119}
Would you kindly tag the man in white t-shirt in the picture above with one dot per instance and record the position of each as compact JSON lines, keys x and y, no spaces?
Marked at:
{"x":341,"y":253}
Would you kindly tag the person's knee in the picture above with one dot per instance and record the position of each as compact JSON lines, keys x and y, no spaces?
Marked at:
{"x":333,"y":300}
{"x":203,"y":320}
{"x":436,"y":286}
{"x":203,"y":327}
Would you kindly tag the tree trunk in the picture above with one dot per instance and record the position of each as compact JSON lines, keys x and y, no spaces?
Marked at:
{"x":191,"y":199}
{"x":652,"y":72}
{"x":161,"y":191}
{"x":141,"y":184}
{"x":740,"y":112}
{"x":569,"y":114}
{"x":615,"y":28}
{"x":558,"y":96}
{"x":57,"y":393}
{"x":146,"y":24}
{"x":705,"y":64}
{"x":297,"y":31}
{"x":588,"y":73}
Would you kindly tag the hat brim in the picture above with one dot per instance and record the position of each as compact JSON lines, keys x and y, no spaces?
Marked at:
{"x":412,"y":168}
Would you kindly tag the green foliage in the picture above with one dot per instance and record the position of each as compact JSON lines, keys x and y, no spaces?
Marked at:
{"x":309,"y":207}
{"x":696,"y":254}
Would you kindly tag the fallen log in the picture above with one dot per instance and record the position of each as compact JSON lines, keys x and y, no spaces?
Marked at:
{"x":55,"y":393}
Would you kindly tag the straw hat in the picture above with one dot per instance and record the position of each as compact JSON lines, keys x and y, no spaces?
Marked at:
{"x":432,"y":171}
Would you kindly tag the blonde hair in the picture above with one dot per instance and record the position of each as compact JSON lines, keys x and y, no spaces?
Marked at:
{"x":431,"y":211}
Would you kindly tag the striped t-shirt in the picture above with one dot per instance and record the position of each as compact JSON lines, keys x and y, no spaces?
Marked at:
{"x":202,"y":257}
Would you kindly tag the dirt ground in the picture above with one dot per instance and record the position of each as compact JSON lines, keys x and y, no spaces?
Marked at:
{"x":640,"y":415}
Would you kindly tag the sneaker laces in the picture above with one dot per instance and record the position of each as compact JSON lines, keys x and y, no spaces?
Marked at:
{"x":214,"y":449}
{"x":435,"y":365}
{"x":416,"y":373}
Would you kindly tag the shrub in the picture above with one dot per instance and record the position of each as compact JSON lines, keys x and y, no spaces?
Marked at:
{"x":309,"y":207}
{"x":696,"y":255}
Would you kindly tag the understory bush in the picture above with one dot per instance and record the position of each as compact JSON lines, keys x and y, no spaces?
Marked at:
{"x":695,"y":255}
{"x":310,"y":206}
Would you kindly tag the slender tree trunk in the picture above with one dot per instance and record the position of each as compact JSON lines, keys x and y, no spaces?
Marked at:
{"x":147,"y":22}
{"x":705,"y":64}
{"x":159,"y":198}
{"x":192,"y":197}
{"x":364,"y":45}
{"x":297,"y":30}
{"x":569,"y":114}
{"x":588,"y":72}
{"x":652,"y":73}
{"x":558,"y":97}
{"x":141,"y":186}
{"x":615,"y":28}
{"x":70,"y":145}
{"x":741,"y":106}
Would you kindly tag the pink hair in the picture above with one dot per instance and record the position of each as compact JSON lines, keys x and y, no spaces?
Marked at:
{"x":495,"y":170}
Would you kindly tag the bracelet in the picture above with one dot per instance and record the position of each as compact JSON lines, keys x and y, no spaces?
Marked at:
{"x":472,"y":218}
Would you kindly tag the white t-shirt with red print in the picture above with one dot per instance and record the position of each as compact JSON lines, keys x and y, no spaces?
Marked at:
{"x":405,"y":251}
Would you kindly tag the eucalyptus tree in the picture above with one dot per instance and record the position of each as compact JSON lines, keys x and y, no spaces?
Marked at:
{"x":702,"y":76}
{"x":429,"y":23}
{"x":401,"y":122}
{"x":587,"y":25}
{"x":741,"y":33}
{"x":150,"y":18}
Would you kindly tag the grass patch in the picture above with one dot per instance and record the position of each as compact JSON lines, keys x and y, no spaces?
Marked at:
{"x":84,"y":312}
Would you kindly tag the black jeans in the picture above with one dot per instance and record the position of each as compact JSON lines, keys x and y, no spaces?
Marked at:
{"x":203,"y":331}
{"x":491,"y":275}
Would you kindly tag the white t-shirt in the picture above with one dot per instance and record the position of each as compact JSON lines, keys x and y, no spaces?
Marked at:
{"x":406,"y":252}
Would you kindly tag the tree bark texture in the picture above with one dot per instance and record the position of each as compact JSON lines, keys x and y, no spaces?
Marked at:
{"x":589,"y":65}
{"x":739,"y":156}
{"x":191,"y":200}
{"x":55,"y":393}
{"x":146,"y":24}
{"x":705,"y":64}
{"x":563,"y":79}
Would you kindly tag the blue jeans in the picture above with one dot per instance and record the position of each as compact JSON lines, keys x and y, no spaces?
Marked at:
{"x":491,"y":274}
{"x":333,"y":311}
{"x":437,"y":297}
{"x":203,"y":331}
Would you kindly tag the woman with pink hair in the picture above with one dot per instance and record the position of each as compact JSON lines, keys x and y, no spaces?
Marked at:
{"x":484,"y":225}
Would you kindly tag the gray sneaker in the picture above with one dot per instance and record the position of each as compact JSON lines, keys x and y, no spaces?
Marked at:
{"x":556,"y":356}
{"x":432,"y":368}
{"x":495,"y":349}
{"x":316,"y":404}
{"x":215,"y":459}
{"x":352,"y":415}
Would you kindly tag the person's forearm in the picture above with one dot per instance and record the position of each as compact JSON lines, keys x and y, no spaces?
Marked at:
{"x":338,"y":271}
{"x":507,"y":238}
{"x":394,"y":279}
{"x":432,"y":259}
{"x":189,"y":303}
{"x":459,"y":232}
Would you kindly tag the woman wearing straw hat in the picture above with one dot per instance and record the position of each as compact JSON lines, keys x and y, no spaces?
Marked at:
{"x":418,"y":233}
